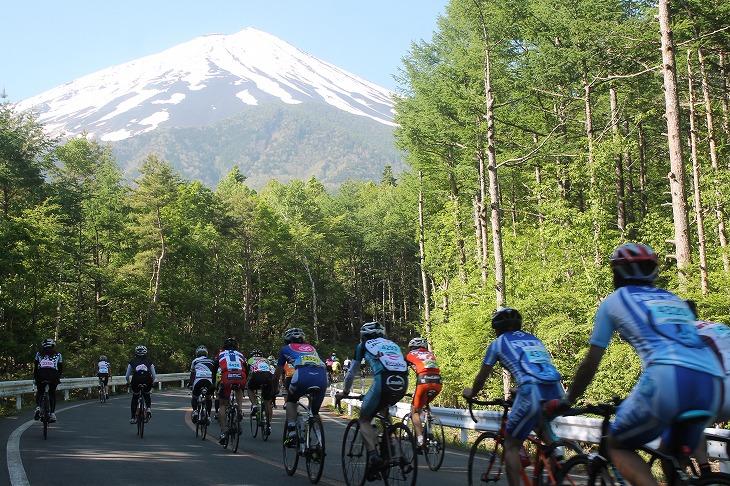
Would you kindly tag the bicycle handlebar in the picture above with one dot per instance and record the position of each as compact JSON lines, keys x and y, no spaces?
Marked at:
{"x":504,"y":403}
{"x":338,"y":399}
{"x":604,"y":409}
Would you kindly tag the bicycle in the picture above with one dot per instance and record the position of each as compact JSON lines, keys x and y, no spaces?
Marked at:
{"x":434,"y":445}
{"x":102,"y":393}
{"x":142,"y":415}
{"x":45,"y":413}
{"x":260,"y":419}
{"x":201,"y":407}
{"x":308,"y":442}
{"x":486,"y":456}
{"x":597,"y":469}
{"x":395,"y":445}
{"x":233,"y":425}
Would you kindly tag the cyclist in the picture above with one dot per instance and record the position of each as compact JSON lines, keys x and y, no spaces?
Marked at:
{"x":336,"y":368}
{"x":232,"y":365}
{"x":390,"y":380}
{"x":202,"y":369}
{"x":140,"y":371}
{"x":717,"y":337}
{"x":103,"y":366}
{"x":428,"y":381}
{"x":309,"y":370}
{"x":524,"y":356}
{"x":47,"y":370}
{"x":328,"y":364}
{"x":679,"y":373}
{"x":259,"y":378}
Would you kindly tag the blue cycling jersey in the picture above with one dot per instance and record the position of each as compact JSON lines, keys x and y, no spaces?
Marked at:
{"x":524,"y":356}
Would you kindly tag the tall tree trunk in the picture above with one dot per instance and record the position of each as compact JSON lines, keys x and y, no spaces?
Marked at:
{"x":620,"y":188}
{"x":422,"y":259}
{"x":482,"y":217}
{"x":725,"y":104}
{"x":696,"y":179}
{"x":676,"y":175}
{"x":315,"y":320}
{"x":642,"y":171}
{"x":595,"y":205}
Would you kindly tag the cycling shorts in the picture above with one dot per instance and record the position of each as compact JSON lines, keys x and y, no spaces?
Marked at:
{"x":261,"y":380}
{"x":305,"y":377}
{"x":137,"y":381}
{"x":387,"y":389}
{"x":104,"y":377}
{"x":230,"y":377}
{"x":428,"y":385}
{"x":661,"y":394}
{"x":200,"y":384}
{"x":526,"y":410}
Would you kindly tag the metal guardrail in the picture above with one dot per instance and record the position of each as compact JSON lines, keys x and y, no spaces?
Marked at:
{"x":20,"y":387}
{"x":582,"y":429}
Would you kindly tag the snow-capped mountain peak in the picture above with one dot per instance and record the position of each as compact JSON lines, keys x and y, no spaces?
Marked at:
{"x":200,"y":82}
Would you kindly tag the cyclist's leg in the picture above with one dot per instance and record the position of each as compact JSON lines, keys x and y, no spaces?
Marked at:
{"x":371,"y":402}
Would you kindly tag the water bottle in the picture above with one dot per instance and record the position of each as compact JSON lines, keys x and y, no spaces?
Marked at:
{"x":524,"y":458}
{"x":301,"y":429}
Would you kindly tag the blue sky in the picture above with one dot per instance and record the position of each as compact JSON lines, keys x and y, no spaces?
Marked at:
{"x":50,"y":42}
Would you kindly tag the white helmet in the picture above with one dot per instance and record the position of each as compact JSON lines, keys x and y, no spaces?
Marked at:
{"x":418,"y":342}
{"x":140,"y":350}
{"x":371,"y":330}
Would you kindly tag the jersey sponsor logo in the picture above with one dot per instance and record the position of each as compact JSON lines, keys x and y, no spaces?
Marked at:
{"x":141,"y":368}
{"x":302,"y":347}
{"x":47,"y":363}
{"x":395,"y":383}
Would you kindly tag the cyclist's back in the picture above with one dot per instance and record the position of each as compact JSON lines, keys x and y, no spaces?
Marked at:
{"x":47,"y":370}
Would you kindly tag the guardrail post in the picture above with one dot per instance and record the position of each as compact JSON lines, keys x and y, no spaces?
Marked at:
{"x":65,"y":395}
{"x":464,"y":436}
{"x":159,"y":385}
{"x":18,"y":402}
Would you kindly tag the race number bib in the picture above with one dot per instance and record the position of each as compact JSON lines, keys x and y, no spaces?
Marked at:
{"x":673,"y":319}
{"x":536,"y":354}
{"x":388,"y":353}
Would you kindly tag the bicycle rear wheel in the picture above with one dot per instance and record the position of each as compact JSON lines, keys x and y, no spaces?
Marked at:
{"x":254,"y":423}
{"x":45,"y":414}
{"x":203,"y":419}
{"x":234,"y":430}
{"x":402,"y":461}
{"x":266,"y":426}
{"x":290,"y":451}
{"x":434,"y":445}
{"x":315,"y":450}
{"x":354,"y":455}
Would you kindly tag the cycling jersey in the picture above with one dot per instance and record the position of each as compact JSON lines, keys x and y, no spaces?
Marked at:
{"x":47,"y":369}
{"x":258,"y":364}
{"x":309,"y":370}
{"x":103,"y":373}
{"x":390,"y":374}
{"x":658,"y":324}
{"x":259,"y":376}
{"x":142,"y":371}
{"x":232,"y":366}
{"x":428,"y":376}
{"x":717,"y":337}
{"x":524,"y":356}
{"x":202,"y":369}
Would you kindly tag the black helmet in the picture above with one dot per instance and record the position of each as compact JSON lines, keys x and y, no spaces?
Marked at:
{"x":140,"y":350}
{"x":256,"y":353}
{"x":230,"y":343}
{"x":48,"y":343}
{"x":634,"y":261}
{"x":201,"y":351}
{"x":506,"y":319}
{"x":294,"y":335}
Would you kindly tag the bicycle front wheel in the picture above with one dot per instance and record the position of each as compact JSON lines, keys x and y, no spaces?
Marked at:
{"x":434,"y":445}
{"x":549,"y":462}
{"x":315,"y":450}
{"x":290,"y":451}
{"x":354,"y":455}
{"x":402,"y":465}
{"x":486,"y":460}
{"x":585,"y":471}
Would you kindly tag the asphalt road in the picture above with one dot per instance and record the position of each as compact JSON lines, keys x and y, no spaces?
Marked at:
{"x":94,"y":444}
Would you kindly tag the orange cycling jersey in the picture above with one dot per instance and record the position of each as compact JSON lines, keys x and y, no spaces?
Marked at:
{"x":422,"y":361}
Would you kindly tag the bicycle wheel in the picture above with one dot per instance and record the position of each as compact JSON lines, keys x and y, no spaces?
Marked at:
{"x":434,"y":445}
{"x":547,"y":466}
{"x":234,"y":430}
{"x":45,"y":414}
{"x":585,"y":471}
{"x":141,"y":417}
{"x":402,"y":462}
{"x":253,"y":420}
{"x":102,"y":395}
{"x":354,"y":455}
{"x":709,"y":479}
{"x":265,"y":425}
{"x":486,"y":460}
{"x":203,"y":421}
{"x":315,"y":452}
{"x":290,"y":451}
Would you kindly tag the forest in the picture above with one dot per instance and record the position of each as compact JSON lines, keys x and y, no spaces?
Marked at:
{"x":538,"y":136}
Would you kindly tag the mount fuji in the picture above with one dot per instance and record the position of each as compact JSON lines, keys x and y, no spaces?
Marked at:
{"x":247,"y":99}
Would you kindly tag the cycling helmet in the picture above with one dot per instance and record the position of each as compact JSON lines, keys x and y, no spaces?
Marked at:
{"x":140,"y":350}
{"x":506,"y":319}
{"x":418,"y":342}
{"x":294,"y":335}
{"x":256,"y":352}
{"x":201,"y":351}
{"x":271,"y":358}
{"x":634,"y":261}
{"x":371,"y":330}
{"x":230,"y":343}
{"x":102,"y":358}
{"x":48,"y":343}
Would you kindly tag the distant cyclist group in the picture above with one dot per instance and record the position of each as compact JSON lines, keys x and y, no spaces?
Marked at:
{"x":685,"y":372}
